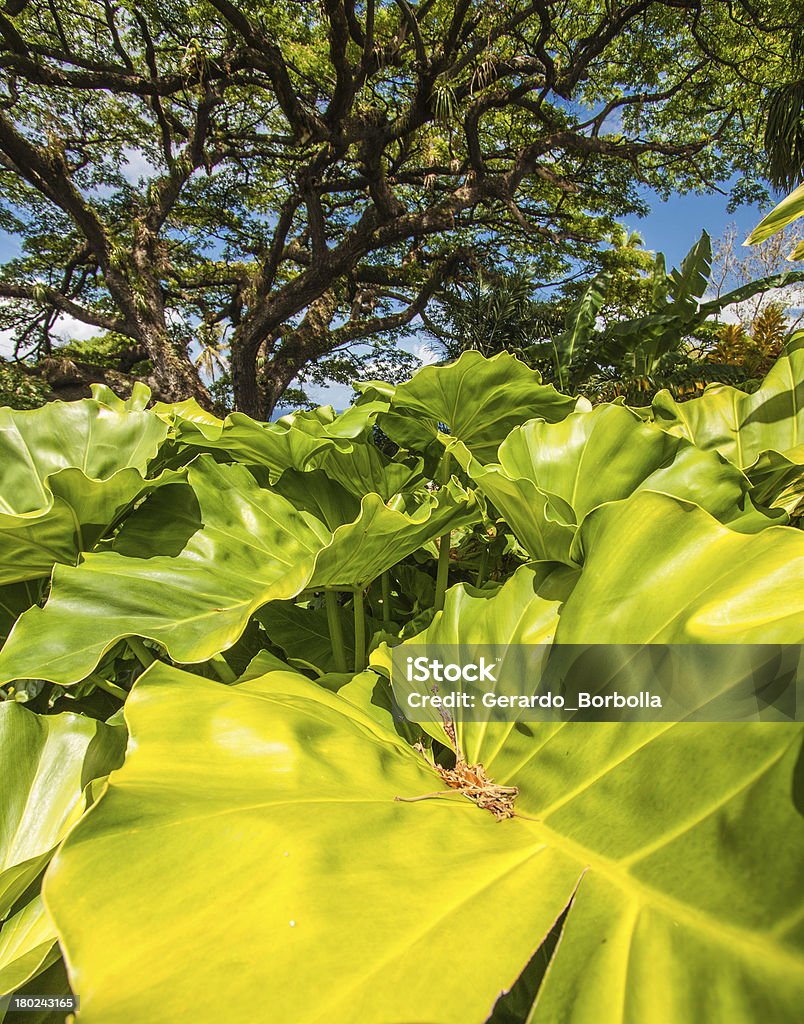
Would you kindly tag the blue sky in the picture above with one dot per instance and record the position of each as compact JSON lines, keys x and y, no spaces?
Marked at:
{"x":673,"y":227}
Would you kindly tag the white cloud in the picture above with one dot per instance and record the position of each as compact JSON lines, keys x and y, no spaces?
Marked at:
{"x":424,"y":351}
{"x":66,"y":329}
{"x":6,"y":343}
{"x":137,"y":165}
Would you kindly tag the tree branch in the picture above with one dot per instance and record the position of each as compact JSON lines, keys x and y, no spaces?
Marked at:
{"x":44,"y":295}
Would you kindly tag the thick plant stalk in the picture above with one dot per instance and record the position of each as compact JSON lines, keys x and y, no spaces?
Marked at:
{"x":386,"y":598}
{"x":335,"y":631}
{"x":360,"y":630}
{"x":112,"y":688}
{"x":442,"y":573}
{"x":484,"y":566}
{"x":222,"y":669}
{"x":144,"y":656}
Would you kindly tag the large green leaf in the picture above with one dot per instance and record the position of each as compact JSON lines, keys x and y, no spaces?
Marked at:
{"x":747,"y":291}
{"x":83,"y":435}
{"x":363,"y":468}
{"x":524,"y":610}
{"x":279,"y":811}
{"x":386,"y":533}
{"x":689,"y":282}
{"x":277,"y":446}
{"x":274,"y":798}
{"x":187,"y":411}
{"x":303,"y":634}
{"x":550,"y":476}
{"x":45,"y":764}
{"x":136,"y":402}
{"x":677,"y":917}
{"x":579,"y":326}
{"x":15,"y":598}
{"x":780,"y":217}
{"x":253,"y":547}
{"x":209,"y":555}
{"x":67,"y":471}
{"x":699,"y":582}
{"x":478,"y":399}
{"x":354,"y":422}
{"x":28,"y":946}
{"x":661,"y":816}
{"x":742,"y":426}
{"x":51,"y":982}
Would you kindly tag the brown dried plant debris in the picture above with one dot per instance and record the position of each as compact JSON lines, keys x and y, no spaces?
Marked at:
{"x":471,"y":781}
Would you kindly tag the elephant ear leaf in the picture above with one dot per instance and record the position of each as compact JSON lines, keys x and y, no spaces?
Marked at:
{"x":307,"y":784}
{"x":47,"y":762}
{"x":761,"y":433}
{"x":700,"y":581}
{"x":136,"y":402}
{"x":239,"y":438}
{"x":69,"y":470}
{"x":547,"y":478}
{"x":191,"y":571}
{"x":28,"y":946}
{"x":304,"y":634}
{"x":648,"y":833}
{"x":188,"y":573}
{"x":477,"y":400}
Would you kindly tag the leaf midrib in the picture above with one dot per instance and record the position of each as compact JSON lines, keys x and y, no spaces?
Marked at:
{"x":647,"y":895}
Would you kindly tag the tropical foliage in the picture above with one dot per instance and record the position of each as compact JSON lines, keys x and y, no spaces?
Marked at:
{"x":227,"y":593}
{"x":784,"y":214}
{"x":631,"y":331}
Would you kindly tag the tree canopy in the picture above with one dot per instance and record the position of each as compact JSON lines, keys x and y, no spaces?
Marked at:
{"x":293,"y":179}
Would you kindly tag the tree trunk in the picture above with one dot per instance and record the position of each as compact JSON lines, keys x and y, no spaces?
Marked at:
{"x":258,"y":393}
{"x":173,"y":368}
{"x":277,"y":377}
{"x":177,"y":377}
{"x":248,"y":395}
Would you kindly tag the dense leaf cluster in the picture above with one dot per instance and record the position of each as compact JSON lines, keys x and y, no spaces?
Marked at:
{"x":228,"y":592}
